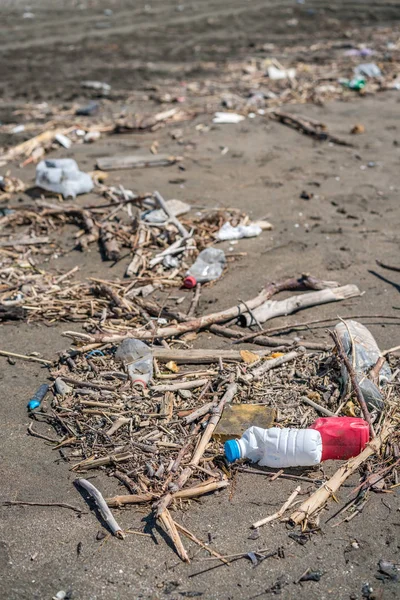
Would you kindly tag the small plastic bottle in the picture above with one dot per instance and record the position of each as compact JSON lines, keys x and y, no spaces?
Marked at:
{"x":366,"y":350}
{"x":328,"y":438}
{"x":137,"y":358}
{"x":208,"y":266}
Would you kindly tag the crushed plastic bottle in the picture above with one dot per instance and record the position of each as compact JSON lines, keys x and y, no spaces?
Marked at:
{"x":209,"y":266}
{"x":356,"y":84}
{"x":366,"y":354}
{"x":228,"y":232}
{"x":367,"y":70}
{"x":337,"y":438}
{"x":137,"y":358}
{"x":62,"y":176}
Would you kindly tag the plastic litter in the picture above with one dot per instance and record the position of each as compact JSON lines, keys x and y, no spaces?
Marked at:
{"x":92,"y":136}
{"x":88,"y":110}
{"x":63,"y":140}
{"x":227,"y":232}
{"x":18,"y":129}
{"x":363,"y":52}
{"x":356,"y":84}
{"x":366,"y":352}
{"x":61,"y":387}
{"x":62,"y":176}
{"x":328,"y":438}
{"x":176,"y":207}
{"x":274,"y":73}
{"x":209,"y":266}
{"x":223,"y":118}
{"x":137,"y":358}
{"x":38,"y":397}
{"x":367,"y":70}
{"x":100,"y":86}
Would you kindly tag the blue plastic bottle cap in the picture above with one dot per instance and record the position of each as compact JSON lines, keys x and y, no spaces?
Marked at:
{"x":232,"y":450}
{"x":32,"y":404}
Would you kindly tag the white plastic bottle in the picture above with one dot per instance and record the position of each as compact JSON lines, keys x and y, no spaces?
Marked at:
{"x":209,"y":266}
{"x":278,"y":448}
{"x":137,"y":358}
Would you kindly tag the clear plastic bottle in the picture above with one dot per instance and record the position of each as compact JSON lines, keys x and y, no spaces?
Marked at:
{"x":208,"y":266}
{"x":62,"y":176}
{"x":337,"y":438}
{"x":366,"y":352}
{"x":137,"y":358}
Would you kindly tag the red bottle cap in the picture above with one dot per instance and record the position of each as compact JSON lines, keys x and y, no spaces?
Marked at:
{"x":189,"y":282}
{"x":342,"y":437}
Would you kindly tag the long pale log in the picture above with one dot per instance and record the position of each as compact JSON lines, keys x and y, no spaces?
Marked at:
{"x":199,"y":356}
{"x":236,"y":311}
{"x":318,"y":499}
{"x":278,"y":308}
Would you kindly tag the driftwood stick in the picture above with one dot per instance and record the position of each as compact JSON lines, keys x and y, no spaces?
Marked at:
{"x":25,"y":357}
{"x":196,"y":540}
{"x":272,"y":364}
{"x":199,"y":356}
{"x":195,"y":301}
{"x":317,"y":407}
{"x":278,"y":308}
{"x":182,"y":385}
{"x":102,"y":506}
{"x":137,"y":261}
{"x":213,"y":422}
{"x":353,"y":380}
{"x":182,"y":230}
{"x":187,"y":494}
{"x":199,"y":412}
{"x":374,"y":372}
{"x":170,"y":527}
{"x":309,"y":127}
{"x":58,"y":504}
{"x":263,"y":340}
{"x":318,"y":499}
{"x":280,"y":512}
{"x":107,"y":237}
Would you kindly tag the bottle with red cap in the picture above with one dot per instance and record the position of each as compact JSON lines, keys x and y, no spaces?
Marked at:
{"x":208,"y":266}
{"x":337,"y":438}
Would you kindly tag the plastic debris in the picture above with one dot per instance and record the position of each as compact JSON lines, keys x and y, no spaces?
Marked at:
{"x":61,"y":387}
{"x":62,"y":176}
{"x":209,"y":266}
{"x":224,"y":118}
{"x":176,"y":207}
{"x":38,"y":397}
{"x":274,"y":73}
{"x":367,"y":70}
{"x":63,"y":140}
{"x":137,"y":358}
{"x":357,"y":336}
{"x":227,"y":232}
{"x":88,"y":110}
{"x":100,"y":86}
{"x":92,"y":136}
{"x":328,"y":438}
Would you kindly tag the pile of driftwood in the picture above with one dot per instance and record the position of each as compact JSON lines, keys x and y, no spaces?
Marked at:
{"x":158,"y":442}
